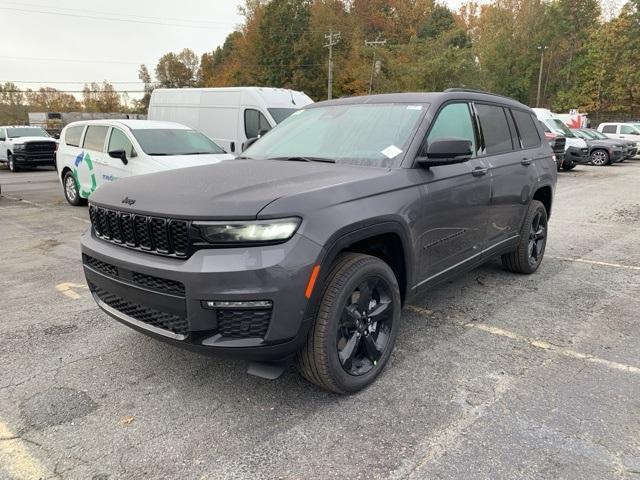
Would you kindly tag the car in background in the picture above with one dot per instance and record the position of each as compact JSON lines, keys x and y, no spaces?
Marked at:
{"x":557,"y":143}
{"x":623,"y":131}
{"x":576,"y":150}
{"x":630,"y":145}
{"x":96,"y":152}
{"x":24,"y":146}
{"x":602,"y":151}
{"x":229,"y":116}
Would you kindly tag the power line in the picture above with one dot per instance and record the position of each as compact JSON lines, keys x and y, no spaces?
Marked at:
{"x":71,"y":60}
{"x":94,"y":17}
{"x":69,"y":83}
{"x":102,"y":12}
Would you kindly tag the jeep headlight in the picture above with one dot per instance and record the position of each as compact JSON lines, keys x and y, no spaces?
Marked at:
{"x":259,"y":231}
{"x":18,"y":147}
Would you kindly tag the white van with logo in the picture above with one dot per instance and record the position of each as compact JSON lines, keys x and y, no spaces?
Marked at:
{"x":95,"y":152}
{"x":229,"y":116}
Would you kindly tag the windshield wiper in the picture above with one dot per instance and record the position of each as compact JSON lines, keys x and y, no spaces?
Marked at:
{"x":305,"y":159}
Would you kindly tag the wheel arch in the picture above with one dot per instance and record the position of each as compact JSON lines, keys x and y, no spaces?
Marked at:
{"x":388,"y":240}
{"x":544,"y":194}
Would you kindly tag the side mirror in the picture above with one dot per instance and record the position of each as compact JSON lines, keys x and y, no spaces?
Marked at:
{"x":249,"y":142}
{"x":56,"y":136}
{"x":121,"y":154}
{"x":446,"y":151}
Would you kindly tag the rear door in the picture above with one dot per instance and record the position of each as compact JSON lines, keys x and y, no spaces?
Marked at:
{"x":70,"y":152}
{"x":94,"y":165}
{"x":610,"y":131}
{"x":453,"y":224}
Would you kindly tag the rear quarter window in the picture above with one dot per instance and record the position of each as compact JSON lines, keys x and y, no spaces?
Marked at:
{"x":525,"y":122}
{"x":72,"y":136}
{"x":495,"y":129}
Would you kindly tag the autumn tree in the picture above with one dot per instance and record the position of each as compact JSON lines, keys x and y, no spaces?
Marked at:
{"x":48,"y":99}
{"x":177,"y":70}
{"x":101,"y":98}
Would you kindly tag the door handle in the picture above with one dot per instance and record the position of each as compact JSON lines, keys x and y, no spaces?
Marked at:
{"x":526,"y":161}
{"x":479,"y":171}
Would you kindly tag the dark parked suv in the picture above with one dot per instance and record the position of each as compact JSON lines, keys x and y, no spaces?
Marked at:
{"x":309,"y":245}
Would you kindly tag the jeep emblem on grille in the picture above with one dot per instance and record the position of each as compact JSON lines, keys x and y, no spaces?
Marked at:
{"x":128,"y":201}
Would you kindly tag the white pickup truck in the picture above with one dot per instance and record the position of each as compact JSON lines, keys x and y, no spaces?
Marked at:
{"x":24,"y":146}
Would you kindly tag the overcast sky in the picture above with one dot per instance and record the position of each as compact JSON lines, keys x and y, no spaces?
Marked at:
{"x":82,"y":41}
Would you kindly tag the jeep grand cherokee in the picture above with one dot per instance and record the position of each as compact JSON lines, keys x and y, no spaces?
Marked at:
{"x":309,"y":244}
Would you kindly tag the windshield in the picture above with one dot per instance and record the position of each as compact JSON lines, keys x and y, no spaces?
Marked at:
{"x":281,"y":114}
{"x":361,"y":134}
{"x":583,"y":134}
{"x":597,"y":134}
{"x":165,"y":142}
{"x":26,"y":132}
{"x":561,"y":127}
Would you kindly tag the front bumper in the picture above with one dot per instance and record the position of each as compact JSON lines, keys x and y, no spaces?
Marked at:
{"x":26,"y":158}
{"x":164,"y":297}
{"x":577,"y":155}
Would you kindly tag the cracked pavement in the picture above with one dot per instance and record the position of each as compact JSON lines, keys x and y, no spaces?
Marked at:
{"x":494,"y":375}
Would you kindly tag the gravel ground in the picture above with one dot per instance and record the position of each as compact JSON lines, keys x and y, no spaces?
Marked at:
{"x":494,"y":375}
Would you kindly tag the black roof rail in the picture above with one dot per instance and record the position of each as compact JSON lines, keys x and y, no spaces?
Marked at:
{"x":471,"y":90}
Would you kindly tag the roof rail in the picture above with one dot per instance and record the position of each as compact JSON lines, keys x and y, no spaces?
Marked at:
{"x":471,"y":90}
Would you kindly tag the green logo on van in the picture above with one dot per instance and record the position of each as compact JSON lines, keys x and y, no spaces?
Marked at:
{"x":85,"y":159}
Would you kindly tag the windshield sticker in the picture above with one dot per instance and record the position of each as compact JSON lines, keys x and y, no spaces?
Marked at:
{"x":391,"y":151}
{"x":414,"y":107}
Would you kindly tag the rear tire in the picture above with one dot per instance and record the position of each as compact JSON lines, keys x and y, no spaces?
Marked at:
{"x":346,"y":348}
{"x":568,"y":165}
{"x":71,"y":191}
{"x":533,"y":240}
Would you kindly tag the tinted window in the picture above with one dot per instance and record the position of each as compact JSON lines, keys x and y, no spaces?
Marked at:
{"x":495,"y":129}
{"x":72,"y":136}
{"x":628,"y":130}
{"x":119,"y":141}
{"x":254,"y":123}
{"x":94,"y":138}
{"x":454,"y":120}
{"x":529,"y":135}
{"x":609,"y":129}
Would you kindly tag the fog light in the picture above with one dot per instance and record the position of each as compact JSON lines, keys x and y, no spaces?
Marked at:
{"x":238,"y":305}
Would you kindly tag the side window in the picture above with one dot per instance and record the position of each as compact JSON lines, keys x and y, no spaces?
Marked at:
{"x":529,"y":135}
{"x":254,"y":123}
{"x":72,"y":136}
{"x":3,"y":135}
{"x":628,"y":130}
{"x":495,"y":129}
{"x":95,"y":137}
{"x":454,"y":120}
{"x":119,"y":141}
{"x":609,"y":129}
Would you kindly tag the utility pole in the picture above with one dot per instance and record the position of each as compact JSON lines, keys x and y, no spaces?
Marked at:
{"x":332,"y":38}
{"x":541,"y":49}
{"x":376,"y":65}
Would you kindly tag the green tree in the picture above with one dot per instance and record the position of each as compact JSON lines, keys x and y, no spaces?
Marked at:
{"x":177,"y":70}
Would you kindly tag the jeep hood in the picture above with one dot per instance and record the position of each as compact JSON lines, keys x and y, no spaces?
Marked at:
{"x":233,"y":189}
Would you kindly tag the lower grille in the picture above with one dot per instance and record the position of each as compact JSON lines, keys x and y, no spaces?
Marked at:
{"x":150,"y":316}
{"x":243,"y":323}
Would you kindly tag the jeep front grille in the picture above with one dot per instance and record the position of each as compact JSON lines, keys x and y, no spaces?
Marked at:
{"x":163,"y":236}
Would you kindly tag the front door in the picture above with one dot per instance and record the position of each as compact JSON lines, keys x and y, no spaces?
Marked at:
{"x":453,"y":223}
{"x":115,"y":168}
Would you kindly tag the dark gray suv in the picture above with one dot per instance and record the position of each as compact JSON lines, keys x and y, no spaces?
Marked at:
{"x":308,"y":246}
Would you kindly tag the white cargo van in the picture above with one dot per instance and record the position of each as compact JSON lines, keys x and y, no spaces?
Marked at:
{"x":229,"y":116}
{"x":576,"y":150}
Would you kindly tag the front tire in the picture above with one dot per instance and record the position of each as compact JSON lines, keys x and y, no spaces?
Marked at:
{"x":355,"y":326}
{"x":568,"y":165}
{"x":12,"y":164}
{"x":600,"y":158}
{"x":71,"y":192}
{"x":533,"y":240}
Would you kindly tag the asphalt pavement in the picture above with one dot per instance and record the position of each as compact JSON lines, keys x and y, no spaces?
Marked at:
{"x":494,"y":375}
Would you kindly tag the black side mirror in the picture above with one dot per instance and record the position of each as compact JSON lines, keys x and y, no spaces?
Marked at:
{"x":249,"y":142}
{"x":121,"y":154}
{"x":446,"y":151}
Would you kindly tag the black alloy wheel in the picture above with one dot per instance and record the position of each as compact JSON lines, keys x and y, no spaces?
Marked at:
{"x":365,"y":327}
{"x":537,"y":238}
{"x":529,"y":252}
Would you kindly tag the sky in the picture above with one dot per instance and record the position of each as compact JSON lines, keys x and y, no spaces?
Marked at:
{"x":66,"y":43}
